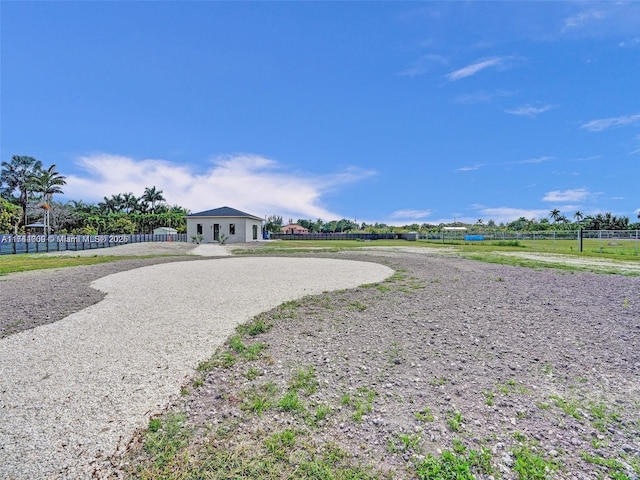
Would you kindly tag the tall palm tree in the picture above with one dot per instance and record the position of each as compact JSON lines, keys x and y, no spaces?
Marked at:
{"x":109,"y":205}
{"x":48,"y":182}
{"x":18,"y":174}
{"x":554,"y":215}
{"x":578,"y":216}
{"x":152,"y":195}
{"x":130,"y":202}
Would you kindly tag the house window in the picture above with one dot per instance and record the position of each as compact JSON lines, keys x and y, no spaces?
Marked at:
{"x":232,"y":229}
{"x":199,"y":229}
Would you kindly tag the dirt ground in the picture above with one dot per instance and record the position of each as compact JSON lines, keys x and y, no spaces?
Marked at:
{"x":451,"y":352}
{"x":448,"y":352}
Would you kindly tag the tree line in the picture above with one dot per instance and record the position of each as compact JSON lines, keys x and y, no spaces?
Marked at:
{"x":27,"y":190}
{"x":556,"y":222}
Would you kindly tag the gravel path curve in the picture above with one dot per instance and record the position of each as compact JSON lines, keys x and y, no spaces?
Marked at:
{"x":73,"y":391}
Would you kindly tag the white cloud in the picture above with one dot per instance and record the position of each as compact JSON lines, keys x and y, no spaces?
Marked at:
{"x":251,"y":183}
{"x":471,"y":168}
{"x":582,"y":18}
{"x":534,"y":160}
{"x":605,"y":123}
{"x":509,"y":214}
{"x":422,"y":65}
{"x":481,"y":96}
{"x":576,"y":195}
{"x":474,"y":68}
{"x":411,"y":214}
{"x":477,"y":166}
{"x":529,"y":111}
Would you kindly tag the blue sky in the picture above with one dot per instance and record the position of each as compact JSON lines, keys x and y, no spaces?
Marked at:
{"x":372,"y":111}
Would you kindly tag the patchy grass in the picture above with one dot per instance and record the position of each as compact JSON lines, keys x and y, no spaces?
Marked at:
{"x":361,"y":402}
{"x":28,"y":262}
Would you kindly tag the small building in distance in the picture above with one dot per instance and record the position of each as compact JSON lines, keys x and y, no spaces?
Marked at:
{"x":165,"y":231}
{"x":225,"y":223}
{"x":294,"y":228}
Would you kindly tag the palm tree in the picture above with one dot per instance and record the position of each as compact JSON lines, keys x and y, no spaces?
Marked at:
{"x":554,"y":215}
{"x":18,"y":174}
{"x":578,"y":216}
{"x":48,"y":182}
{"x":152,"y":195}
{"x":118,"y":202}
{"x":130,"y":202}
{"x":109,"y":205}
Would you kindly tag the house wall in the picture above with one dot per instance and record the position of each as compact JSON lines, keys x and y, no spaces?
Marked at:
{"x":243,"y":228}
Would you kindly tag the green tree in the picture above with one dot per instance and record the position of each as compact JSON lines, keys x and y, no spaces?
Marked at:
{"x":130,"y":202}
{"x":19,"y":174}
{"x":554,"y":215}
{"x":10,"y":215}
{"x":578,"y":216}
{"x":152,"y":196}
{"x":274,"y":223}
{"x":120,"y":224}
{"x":48,"y":182}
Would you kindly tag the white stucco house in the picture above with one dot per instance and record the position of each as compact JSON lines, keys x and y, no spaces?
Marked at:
{"x":236,"y":226}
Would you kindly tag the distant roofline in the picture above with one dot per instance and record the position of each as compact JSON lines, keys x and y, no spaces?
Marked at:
{"x":224,"y":212}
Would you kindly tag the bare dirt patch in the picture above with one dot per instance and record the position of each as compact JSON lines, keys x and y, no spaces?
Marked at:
{"x":450,"y":355}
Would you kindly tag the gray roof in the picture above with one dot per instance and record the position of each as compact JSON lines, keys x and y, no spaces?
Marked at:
{"x":224,"y":212}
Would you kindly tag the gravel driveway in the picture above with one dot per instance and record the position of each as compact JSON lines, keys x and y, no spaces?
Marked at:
{"x":74,"y":390}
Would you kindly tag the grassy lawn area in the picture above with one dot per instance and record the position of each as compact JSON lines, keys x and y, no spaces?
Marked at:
{"x":610,"y":250}
{"x":627,"y":249}
{"x":26,"y":262}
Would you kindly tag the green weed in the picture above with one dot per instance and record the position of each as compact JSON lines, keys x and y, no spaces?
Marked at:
{"x":424,"y":415}
{"x":454,"y":421}
{"x":531,"y":466}
{"x":489,"y":397}
{"x":280,"y":444}
{"x":437,"y":382}
{"x":166,"y":438}
{"x":255,"y":327}
{"x":304,"y":380}
{"x":404,"y":442}
{"x":570,"y":407}
{"x":258,"y":399}
{"x":361,"y":402}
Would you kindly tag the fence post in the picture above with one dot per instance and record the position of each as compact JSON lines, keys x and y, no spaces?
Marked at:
{"x":580,"y":240}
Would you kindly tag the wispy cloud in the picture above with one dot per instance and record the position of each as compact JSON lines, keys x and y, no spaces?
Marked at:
{"x":251,"y":183}
{"x":602,"y":124}
{"x":532,"y":160}
{"x":474,"y":68}
{"x":411,"y":214}
{"x":528,"y":161}
{"x":575,"y":195}
{"x":529,"y":110}
{"x":583,"y":18}
{"x":481,"y":96}
{"x":471,"y":168}
{"x":637,"y":150}
{"x":423,"y":65}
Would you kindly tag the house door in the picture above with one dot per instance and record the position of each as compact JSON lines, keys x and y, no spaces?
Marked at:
{"x":216,"y":232}
{"x":255,"y":232}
